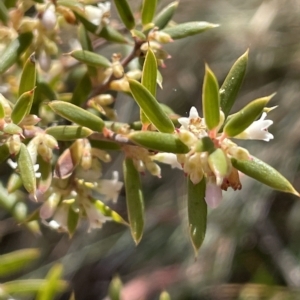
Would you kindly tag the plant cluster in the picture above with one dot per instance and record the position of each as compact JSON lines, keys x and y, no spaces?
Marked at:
{"x":56,"y":137}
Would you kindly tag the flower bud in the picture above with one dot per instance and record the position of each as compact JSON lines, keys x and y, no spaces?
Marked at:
{"x":14,"y":144}
{"x":49,"y":18}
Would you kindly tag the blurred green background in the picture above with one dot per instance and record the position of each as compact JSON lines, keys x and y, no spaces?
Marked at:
{"x":252,"y":245}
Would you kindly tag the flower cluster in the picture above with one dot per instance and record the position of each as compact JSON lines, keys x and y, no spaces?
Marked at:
{"x":210,"y":153}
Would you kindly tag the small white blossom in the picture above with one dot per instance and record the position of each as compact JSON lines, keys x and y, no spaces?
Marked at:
{"x":110,"y":189}
{"x":213,"y":194}
{"x":98,"y":15}
{"x":49,"y":18}
{"x":258,"y":130}
{"x":167,"y":158}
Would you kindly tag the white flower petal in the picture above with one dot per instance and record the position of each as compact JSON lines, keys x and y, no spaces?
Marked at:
{"x":193,"y":113}
{"x":258,"y":130}
{"x":167,"y":158}
{"x":213,"y":194}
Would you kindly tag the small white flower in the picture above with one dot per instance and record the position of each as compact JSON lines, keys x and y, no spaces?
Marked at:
{"x":60,"y":218}
{"x":213,"y":194}
{"x":98,"y":15}
{"x":258,"y":130}
{"x":110,"y":189}
{"x":49,"y":18}
{"x":185,"y":122}
{"x":95,"y":216}
{"x":167,"y":158}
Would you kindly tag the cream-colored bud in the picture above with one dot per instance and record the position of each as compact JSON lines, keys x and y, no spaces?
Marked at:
{"x":44,"y":61}
{"x":49,"y":19}
{"x":50,"y":141}
{"x":30,"y":120}
{"x":14,"y":144}
{"x":120,"y":85}
{"x":187,"y":137}
{"x":104,"y":99}
{"x":161,"y":37}
{"x":134,"y":74}
{"x":102,"y":155}
{"x":28,"y":24}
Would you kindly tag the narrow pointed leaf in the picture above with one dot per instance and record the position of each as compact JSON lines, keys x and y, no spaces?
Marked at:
{"x":50,"y":288}
{"x":112,"y":35}
{"x":4,"y":16}
{"x":246,"y":116}
{"x":29,"y":286}
{"x":2,"y":111}
{"x":148,"y":11}
{"x":197,"y":213}
{"x":232,"y":83}
{"x":134,"y":199}
{"x":125,"y":13}
{"x":211,"y":99}
{"x":22,"y":107}
{"x":14,"y":50}
{"x":77,"y":115}
{"x":264,"y":173}
{"x":150,"y":107}
{"x":69,"y":133}
{"x":14,"y":182}
{"x":205,"y":144}
{"x":73,"y":219}
{"x":149,"y":77}
{"x":26,"y":170}
{"x":159,"y":141}
{"x":28,"y":77}
{"x":91,"y":58}
{"x":108,"y":212}
{"x":105,"y":145}
{"x":4,"y":153}
{"x":187,"y":29}
{"x":45,"y":168}
{"x":11,"y":128}
{"x":165,"y":15}
{"x":16,"y":261}
{"x":114,"y":289}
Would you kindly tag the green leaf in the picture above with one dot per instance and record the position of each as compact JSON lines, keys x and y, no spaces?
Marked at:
{"x":26,"y":170}
{"x":108,"y":212}
{"x":82,"y":90}
{"x":125,"y":13}
{"x":11,"y":128}
{"x":149,"y":77}
{"x":4,"y":153}
{"x":150,"y":107}
{"x":91,"y":58}
{"x":112,"y":35}
{"x":246,"y":116}
{"x":232,"y":83}
{"x":159,"y":141}
{"x":148,"y":11}
{"x":77,"y":115}
{"x":165,"y":15}
{"x":69,"y":132}
{"x":205,"y":144}
{"x":2,"y":111}
{"x":197,"y":213}
{"x":105,"y":145}
{"x":138,"y":34}
{"x":52,"y":285}
{"x":86,"y":44}
{"x":22,"y":107}
{"x":73,"y":219}
{"x":14,"y":50}
{"x":264,"y":173}
{"x":28,"y":77}
{"x":4,"y":16}
{"x":16,"y":261}
{"x":29,"y":286}
{"x":210,"y":99}
{"x":114,"y":289}
{"x":14,"y":182}
{"x":134,"y":199}
{"x":219,"y":164}
{"x":187,"y":29}
{"x":45,"y":168}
